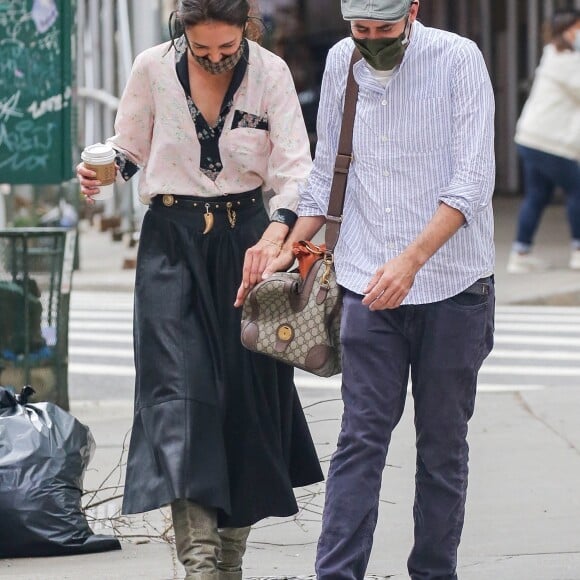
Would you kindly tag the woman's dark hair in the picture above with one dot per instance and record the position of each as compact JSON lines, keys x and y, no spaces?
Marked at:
{"x":235,"y":12}
{"x":561,"y":21}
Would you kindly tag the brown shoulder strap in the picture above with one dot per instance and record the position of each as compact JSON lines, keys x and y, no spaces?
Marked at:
{"x":343,"y":158}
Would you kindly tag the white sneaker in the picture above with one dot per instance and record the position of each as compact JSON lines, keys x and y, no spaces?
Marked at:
{"x":575,"y":260}
{"x":524,"y":263}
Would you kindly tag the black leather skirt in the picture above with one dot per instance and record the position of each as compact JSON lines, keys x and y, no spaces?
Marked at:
{"x":214,"y":423}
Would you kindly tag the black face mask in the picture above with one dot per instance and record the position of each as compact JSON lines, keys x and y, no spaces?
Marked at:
{"x":384,"y":54}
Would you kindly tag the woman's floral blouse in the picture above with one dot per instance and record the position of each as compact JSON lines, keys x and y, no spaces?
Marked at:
{"x":259,"y":139}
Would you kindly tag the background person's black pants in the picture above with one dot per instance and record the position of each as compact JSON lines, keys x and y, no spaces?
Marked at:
{"x":542,"y":173}
{"x":443,"y":346}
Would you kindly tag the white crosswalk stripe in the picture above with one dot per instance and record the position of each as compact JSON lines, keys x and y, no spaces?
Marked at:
{"x":536,"y":347}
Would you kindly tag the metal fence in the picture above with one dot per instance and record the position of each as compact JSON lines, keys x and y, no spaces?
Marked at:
{"x":35,"y":282}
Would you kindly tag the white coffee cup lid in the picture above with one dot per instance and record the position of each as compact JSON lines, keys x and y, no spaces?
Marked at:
{"x":98,"y":152}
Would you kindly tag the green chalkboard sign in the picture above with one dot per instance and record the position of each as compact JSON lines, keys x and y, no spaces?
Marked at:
{"x":35,"y":91}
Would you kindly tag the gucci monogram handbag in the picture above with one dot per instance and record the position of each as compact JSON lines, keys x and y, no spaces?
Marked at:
{"x":293,"y":316}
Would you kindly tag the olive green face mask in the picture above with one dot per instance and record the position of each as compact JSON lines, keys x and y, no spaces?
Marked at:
{"x":383,"y":53}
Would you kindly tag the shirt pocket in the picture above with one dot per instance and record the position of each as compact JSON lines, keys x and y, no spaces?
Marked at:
{"x":428,"y":125}
{"x":244,"y":120}
{"x":246,"y":148}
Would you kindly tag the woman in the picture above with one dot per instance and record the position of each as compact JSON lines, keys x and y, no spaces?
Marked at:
{"x":548,"y":138}
{"x":219,"y":433}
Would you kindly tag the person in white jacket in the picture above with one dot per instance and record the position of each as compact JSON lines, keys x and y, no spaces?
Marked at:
{"x":548,"y":141}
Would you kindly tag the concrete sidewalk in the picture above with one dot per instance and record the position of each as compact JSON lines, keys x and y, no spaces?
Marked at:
{"x":523,"y":513}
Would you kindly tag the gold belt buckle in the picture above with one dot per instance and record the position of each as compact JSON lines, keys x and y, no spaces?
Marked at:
{"x":168,"y":200}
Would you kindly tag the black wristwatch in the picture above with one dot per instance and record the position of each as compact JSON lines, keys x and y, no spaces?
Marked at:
{"x":284,"y":216}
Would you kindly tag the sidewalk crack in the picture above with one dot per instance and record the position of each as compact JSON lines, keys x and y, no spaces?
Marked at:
{"x":528,"y":409}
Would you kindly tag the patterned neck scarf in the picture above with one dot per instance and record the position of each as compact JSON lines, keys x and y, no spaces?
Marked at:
{"x":226,"y":64}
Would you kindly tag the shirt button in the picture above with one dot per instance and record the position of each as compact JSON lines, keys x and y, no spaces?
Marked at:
{"x":384,"y":102}
{"x":386,"y":173}
{"x":384,"y":139}
{"x":388,"y":210}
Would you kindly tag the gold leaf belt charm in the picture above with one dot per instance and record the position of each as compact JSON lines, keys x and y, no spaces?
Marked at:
{"x":208,"y":218}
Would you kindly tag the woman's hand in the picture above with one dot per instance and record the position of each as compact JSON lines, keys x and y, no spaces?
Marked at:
{"x":257,"y":258}
{"x":90,"y":185}
{"x":280,"y":263}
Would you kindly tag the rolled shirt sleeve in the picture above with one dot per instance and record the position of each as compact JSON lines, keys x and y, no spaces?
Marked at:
{"x":473,"y":177}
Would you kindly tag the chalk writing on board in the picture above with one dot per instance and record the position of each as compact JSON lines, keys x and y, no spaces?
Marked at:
{"x":35,"y":91}
{"x":10,"y":108}
{"x":50,"y":105}
{"x":44,"y":14}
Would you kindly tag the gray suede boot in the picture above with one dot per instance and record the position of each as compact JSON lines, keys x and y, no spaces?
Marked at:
{"x":233,"y":548}
{"x":197,"y":540}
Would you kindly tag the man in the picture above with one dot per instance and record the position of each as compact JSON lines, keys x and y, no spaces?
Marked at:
{"x":415,"y":258}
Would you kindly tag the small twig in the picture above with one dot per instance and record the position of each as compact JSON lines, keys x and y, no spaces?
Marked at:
{"x":101,"y":489}
{"x":103,"y":502}
{"x":321,"y":403}
{"x":285,"y":545}
{"x":323,"y":421}
{"x":387,"y":502}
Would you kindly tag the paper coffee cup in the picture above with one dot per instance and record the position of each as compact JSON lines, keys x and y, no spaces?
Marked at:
{"x":100,"y":158}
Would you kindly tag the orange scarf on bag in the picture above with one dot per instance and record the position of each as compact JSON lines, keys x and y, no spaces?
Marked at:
{"x":307,"y":253}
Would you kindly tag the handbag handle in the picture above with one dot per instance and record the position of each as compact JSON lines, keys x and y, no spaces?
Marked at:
{"x":343,"y":159}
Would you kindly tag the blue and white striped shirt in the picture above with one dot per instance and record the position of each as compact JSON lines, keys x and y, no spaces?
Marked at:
{"x":425,"y":139}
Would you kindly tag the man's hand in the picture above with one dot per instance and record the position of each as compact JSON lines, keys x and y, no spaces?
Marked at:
{"x":391,"y":284}
{"x":393,"y":281}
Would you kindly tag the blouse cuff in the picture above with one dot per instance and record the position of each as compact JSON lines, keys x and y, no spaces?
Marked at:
{"x":284,"y":216}
{"x":126,"y":167}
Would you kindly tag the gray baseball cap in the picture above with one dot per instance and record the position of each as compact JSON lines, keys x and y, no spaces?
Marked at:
{"x":387,"y":10}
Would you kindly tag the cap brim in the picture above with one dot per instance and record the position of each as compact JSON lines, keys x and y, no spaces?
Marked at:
{"x":379,"y":18}
{"x":351,"y":18}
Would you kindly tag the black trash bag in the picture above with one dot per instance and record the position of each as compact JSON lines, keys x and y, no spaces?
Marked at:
{"x":44,"y":452}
